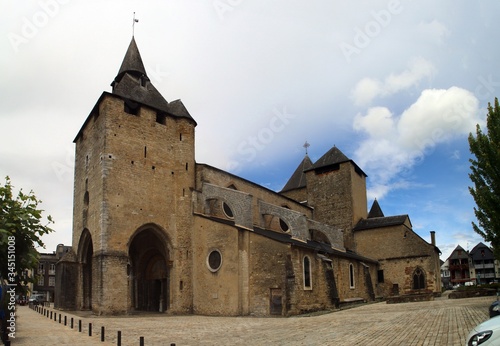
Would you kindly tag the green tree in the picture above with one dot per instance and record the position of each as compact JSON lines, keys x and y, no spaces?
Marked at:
{"x":485,"y":175}
{"x":21,"y":230}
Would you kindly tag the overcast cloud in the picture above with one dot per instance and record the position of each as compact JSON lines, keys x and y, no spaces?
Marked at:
{"x":396,"y":85}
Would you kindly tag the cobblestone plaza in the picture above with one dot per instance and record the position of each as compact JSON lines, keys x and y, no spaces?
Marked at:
{"x":440,"y":322}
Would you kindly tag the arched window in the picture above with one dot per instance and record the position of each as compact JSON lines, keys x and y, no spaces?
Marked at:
{"x":307,"y":273}
{"x":351,"y":276}
{"x":86,"y":199}
{"x":418,"y":279}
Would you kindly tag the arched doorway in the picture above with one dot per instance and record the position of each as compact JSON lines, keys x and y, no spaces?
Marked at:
{"x":150,"y":272}
{"x":86,"y":251}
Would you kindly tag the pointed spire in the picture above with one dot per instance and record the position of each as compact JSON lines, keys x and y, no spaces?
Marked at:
{"x":132,"y":63}
{"x":375,"y":210}
{"x":332,"y":157}
{"x":298,"y":178}
{"x":132,"y":83}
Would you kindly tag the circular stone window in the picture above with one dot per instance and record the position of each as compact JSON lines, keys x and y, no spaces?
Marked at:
{"x":284,"y":226}
{"x":227,"y":210}
{"x":214,"y":260}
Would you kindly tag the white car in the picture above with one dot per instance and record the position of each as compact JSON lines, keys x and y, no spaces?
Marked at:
{"x":486,"y":333}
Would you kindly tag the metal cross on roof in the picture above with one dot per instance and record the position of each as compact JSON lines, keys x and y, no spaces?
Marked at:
{"x":133,"y":24}
{"x":306,"y":145}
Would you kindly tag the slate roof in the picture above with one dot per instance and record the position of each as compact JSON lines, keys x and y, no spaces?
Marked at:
{"x":286,"y":238}
{"x":310,"y":244}
{"x":331,"y":158}
{"x":375,"y":210}
{"x":132,"y":62}
{"x":378,"y":222}
{"x":133,"y":83}
{"x":298,"y":178}
{"x":481,"y":252}
{"x":455,"y":255}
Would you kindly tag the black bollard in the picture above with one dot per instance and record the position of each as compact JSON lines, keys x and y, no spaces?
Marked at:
{"x":141,"y":341}
{"x":59,"y":318}
{"x":51,"y":315}
{"x":102,"y":334}
{"x":119,"y":338}
{"x":71,"y":322}
{"x":65,"y":320}
{"x":90,"y":329}
{"x":80,"y":326}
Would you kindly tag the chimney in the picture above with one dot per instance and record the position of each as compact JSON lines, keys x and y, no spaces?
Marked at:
{"x":433,"y":238}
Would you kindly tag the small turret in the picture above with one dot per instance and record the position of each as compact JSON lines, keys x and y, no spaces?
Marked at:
{"x":375,"y":210}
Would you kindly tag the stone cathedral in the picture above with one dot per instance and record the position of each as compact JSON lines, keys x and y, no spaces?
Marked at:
{"x":153,"y":230}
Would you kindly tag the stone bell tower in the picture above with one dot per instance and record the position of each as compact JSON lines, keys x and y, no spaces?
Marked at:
{"x":134,"y":170}
{"x":335,"y":187}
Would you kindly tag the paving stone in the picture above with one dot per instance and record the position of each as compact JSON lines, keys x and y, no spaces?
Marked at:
{"x":439,"y":322}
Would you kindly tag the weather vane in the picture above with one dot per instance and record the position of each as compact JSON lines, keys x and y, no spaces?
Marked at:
{"x":133,"y":24}
{"x":306,"y":145}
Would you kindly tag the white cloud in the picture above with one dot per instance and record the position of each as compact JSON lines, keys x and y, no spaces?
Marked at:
{"x":378,"y":122}
{"x":418,"y":69}
{"x":230,"y":73}
{"x":368,"y":89}
{"x":437,"y":116}
{"x":395,"y":143}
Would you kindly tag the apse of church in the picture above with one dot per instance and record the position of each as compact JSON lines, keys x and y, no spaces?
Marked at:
{"x":153,"y":230}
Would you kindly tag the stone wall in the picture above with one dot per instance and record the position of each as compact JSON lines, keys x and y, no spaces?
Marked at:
{"x":214,"y":176}
{"x":360,"y":289}
{"x":317,"y":296}
{"x":67,"y":270}
{"x":216,"y":292}
{"x":299,"y":195}
{"x":267,"y":270}
{"x":400,"y":251}
{"x":131,"y":171}
{"x":338,"y":198}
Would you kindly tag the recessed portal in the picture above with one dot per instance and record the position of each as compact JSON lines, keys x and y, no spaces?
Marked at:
{"x":150,"y":272}
{"x":86,"y":253}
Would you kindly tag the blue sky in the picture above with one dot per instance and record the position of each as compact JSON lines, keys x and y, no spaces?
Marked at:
{"x":396,"y":85}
